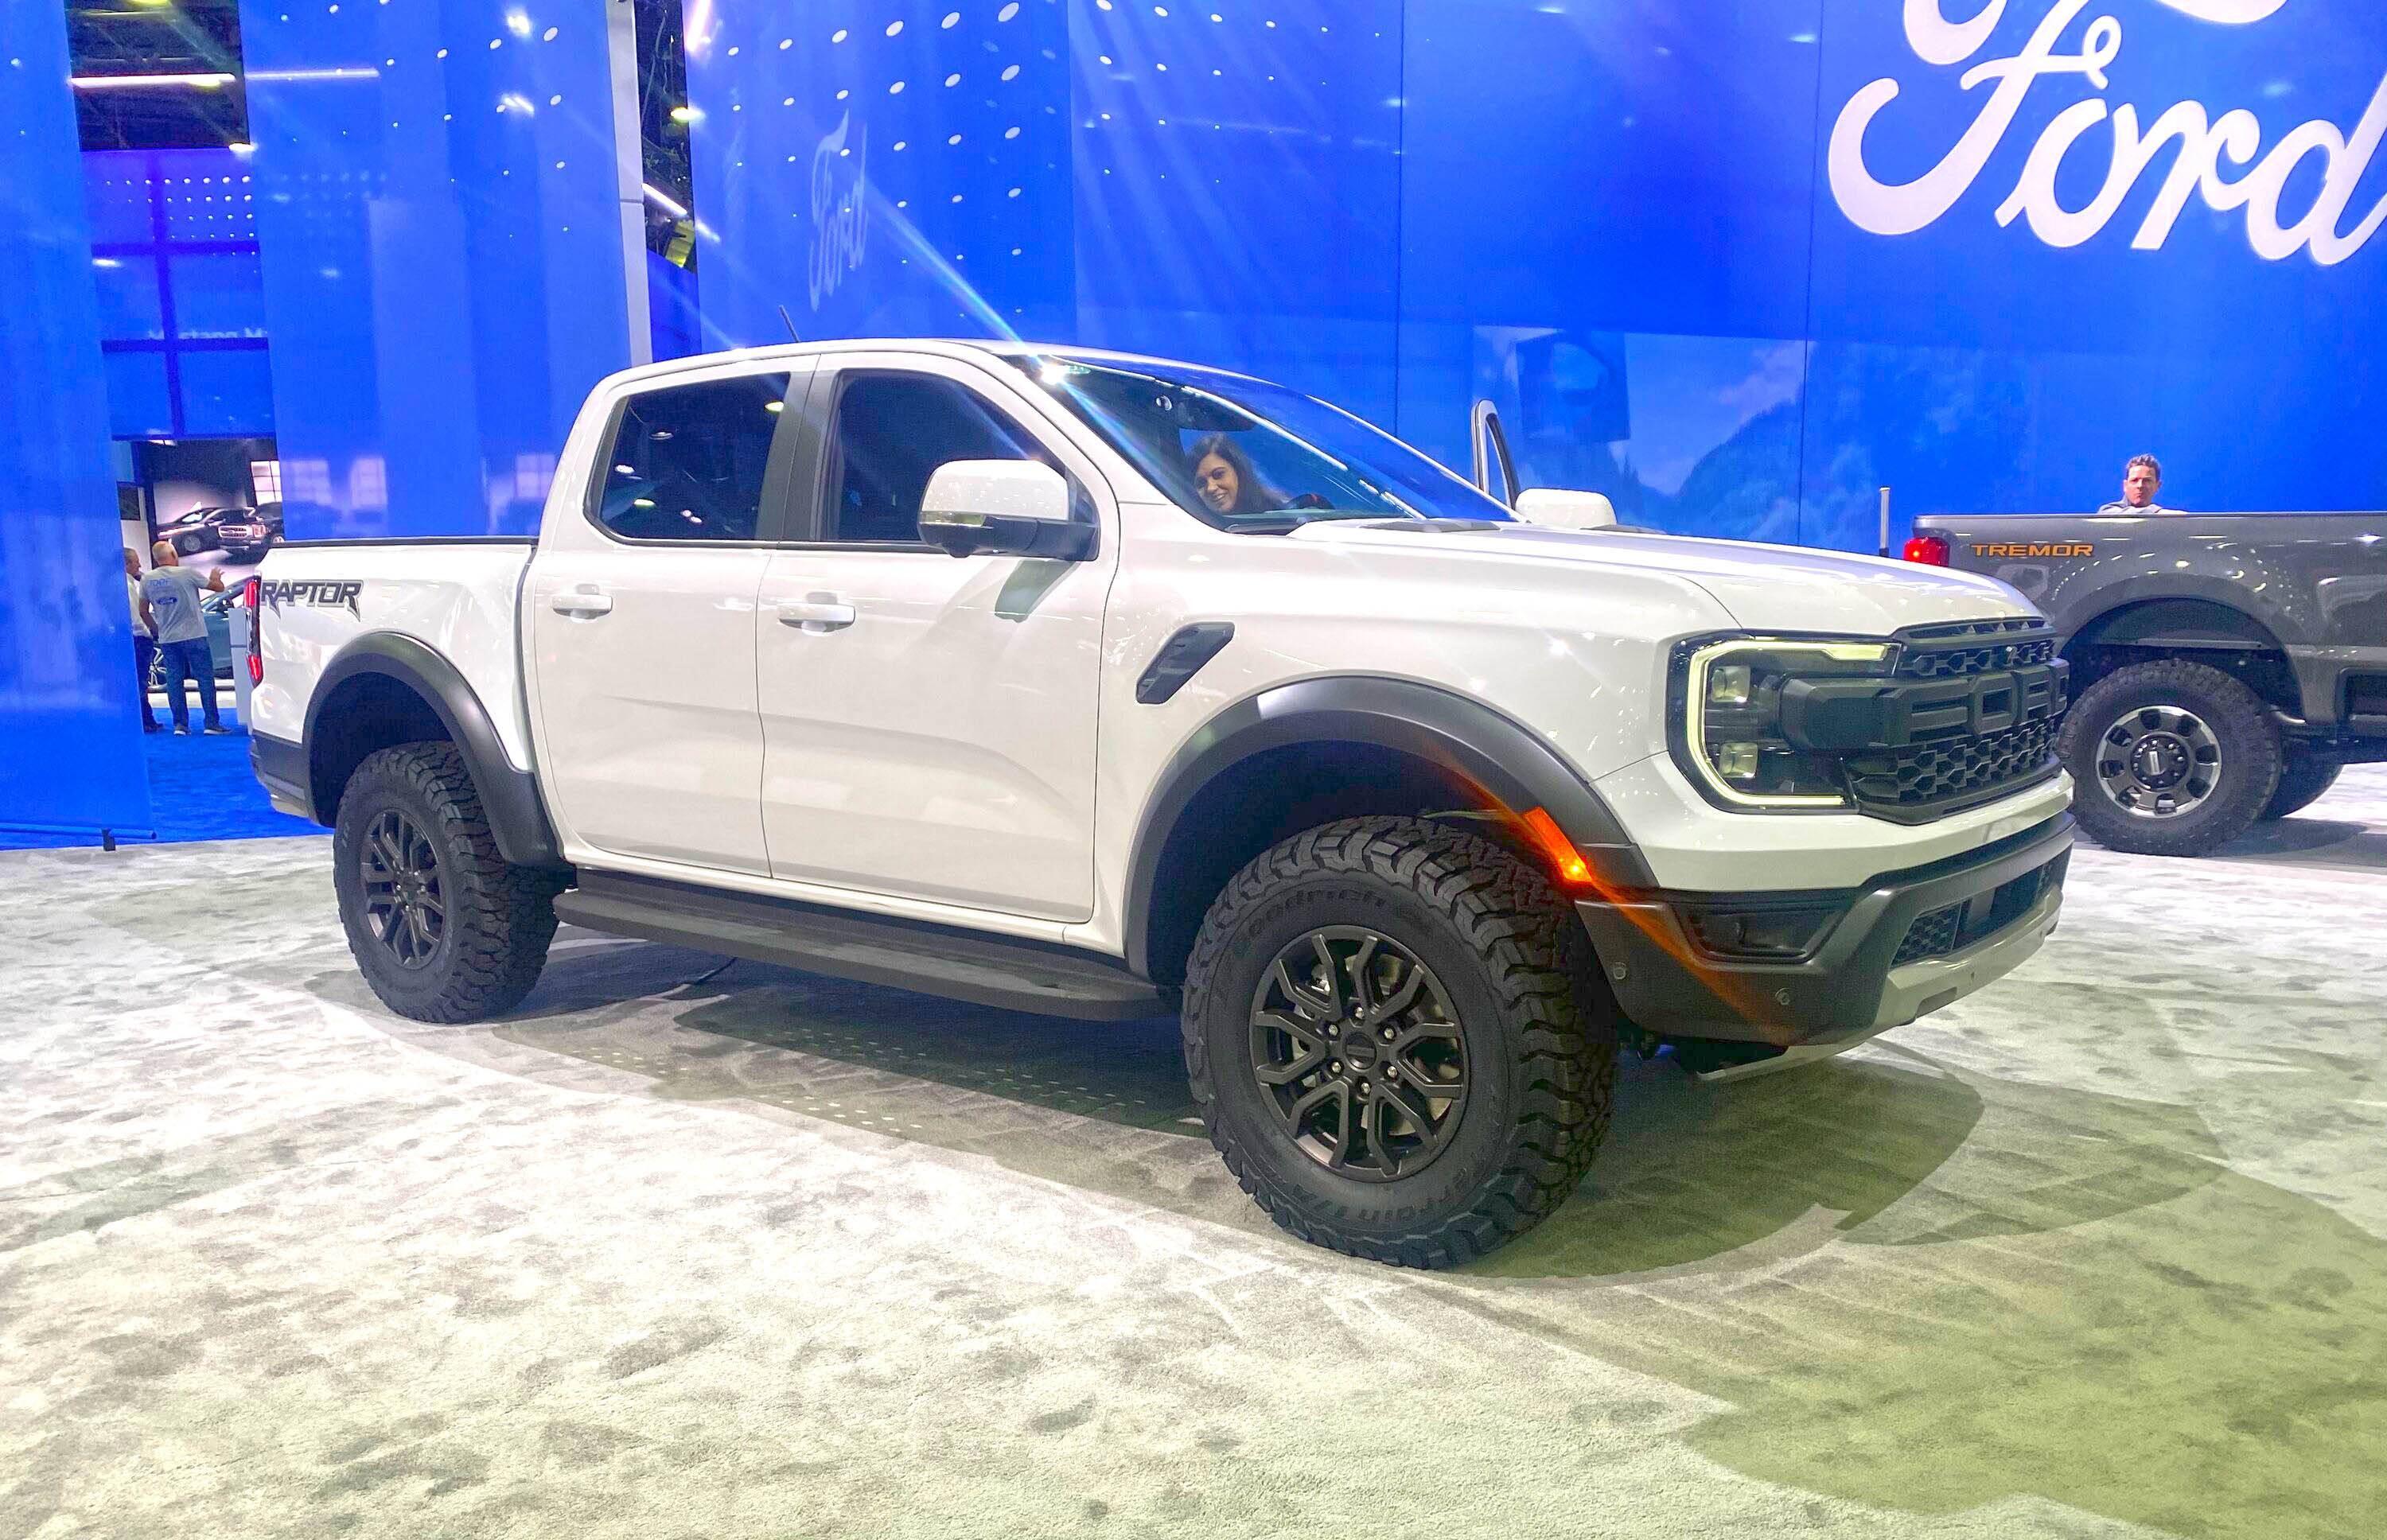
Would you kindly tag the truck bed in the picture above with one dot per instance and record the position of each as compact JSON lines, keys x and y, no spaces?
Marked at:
{"x":458,"y":594}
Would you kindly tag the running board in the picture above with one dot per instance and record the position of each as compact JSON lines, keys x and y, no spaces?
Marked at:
{"x":869,"y":949}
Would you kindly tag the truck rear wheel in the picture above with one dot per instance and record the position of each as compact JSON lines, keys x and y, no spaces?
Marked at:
{"x":2304,"y":780}
{"x":2169,"y":758}
{"x":443,"y":927}
{"x":1399,"y":1041}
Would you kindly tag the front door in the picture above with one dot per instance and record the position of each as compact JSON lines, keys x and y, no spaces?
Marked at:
{"x":641,"y":615}
{"x":929,"y":723}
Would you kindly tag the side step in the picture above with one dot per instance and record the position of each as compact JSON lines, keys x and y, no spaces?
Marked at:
{"x":870,"y":949}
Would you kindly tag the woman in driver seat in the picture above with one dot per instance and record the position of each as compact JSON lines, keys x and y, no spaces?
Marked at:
{"x":1225,"y":480}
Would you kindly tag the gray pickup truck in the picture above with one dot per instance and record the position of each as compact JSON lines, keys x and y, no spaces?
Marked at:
{"x":2224,"y":665}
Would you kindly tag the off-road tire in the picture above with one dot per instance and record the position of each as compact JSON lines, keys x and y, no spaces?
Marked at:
{"x":1538,"y":1019}
{"x":499,"y":917}
{"x":2304,"y":780}
{"x":2250,"y":756}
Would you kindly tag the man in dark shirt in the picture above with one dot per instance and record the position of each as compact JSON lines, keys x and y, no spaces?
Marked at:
{"x":2140,"y":482}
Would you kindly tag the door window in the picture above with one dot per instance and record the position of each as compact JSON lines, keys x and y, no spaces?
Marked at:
{"x":689,"y":462}
{"x":892,"y":432}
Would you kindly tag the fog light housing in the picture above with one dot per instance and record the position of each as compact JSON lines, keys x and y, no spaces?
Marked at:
{"x":1772,"y":934}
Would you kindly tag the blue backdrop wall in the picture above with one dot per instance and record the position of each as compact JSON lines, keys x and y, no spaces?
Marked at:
{"x":441,"y":214}
{"x":1736,"y":262}
{"x":71,"y":758}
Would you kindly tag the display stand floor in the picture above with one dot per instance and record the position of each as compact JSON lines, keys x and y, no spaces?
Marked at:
{"x":2098,"y":1252}
{"x":200,"y":787}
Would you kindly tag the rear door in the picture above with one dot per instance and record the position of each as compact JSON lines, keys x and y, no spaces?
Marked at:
{"x":641,"y":615}
{"x":928,"y":722}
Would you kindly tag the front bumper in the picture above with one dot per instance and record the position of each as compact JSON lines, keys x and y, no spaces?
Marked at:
{"x":1902,"y":947}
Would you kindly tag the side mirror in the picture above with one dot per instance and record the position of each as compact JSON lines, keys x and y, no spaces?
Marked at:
{"x":1003,"y":507}
{"x":1553,"y":508}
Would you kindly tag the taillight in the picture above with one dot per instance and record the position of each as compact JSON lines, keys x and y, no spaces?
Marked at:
{"x":1929,"y":550}
{"x":248,"y":596}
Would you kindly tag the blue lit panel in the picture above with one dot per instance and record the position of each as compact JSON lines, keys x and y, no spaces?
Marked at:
{"x":73,"y":758}
{"x":1237,"y":180}
{"x":880,"y":172}
{"x":217,"y":294}
{"x":227,"y":393}
{"x":129,"y":309}
{"x":438,"y":214}
{"x":139,"y":403}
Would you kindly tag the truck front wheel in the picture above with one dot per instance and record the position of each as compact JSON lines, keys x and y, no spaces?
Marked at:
{"x":2169,"y":758}
{"x":443,"y":927}
{"x":1399,"y":1041}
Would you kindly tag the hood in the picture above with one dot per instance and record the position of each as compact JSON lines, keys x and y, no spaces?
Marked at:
{"x":1764,"y":588}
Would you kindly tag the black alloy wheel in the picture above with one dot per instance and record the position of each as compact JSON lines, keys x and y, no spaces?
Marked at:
{"x":404,"y":906}
{"x":2169,"y":758}
{"x":1356,"y":1044}
{"x":1399,"y":1040}
{"x":2159,"y":762}
{"x":441,"y":925}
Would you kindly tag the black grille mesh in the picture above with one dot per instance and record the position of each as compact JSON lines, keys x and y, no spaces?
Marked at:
{"x":1929,"y":773}
{"x":1932,"y":936}
{"x":1947,"y":664}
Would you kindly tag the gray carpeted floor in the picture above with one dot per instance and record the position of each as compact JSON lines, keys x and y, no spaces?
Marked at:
{"x":2102,"y":1251}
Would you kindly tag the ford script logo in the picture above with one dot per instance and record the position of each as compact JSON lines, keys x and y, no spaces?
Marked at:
{"x":840,"y":189}
{"x":2220,"y":159}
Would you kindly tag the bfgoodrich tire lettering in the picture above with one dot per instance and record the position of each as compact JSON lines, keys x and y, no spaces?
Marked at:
{"x":1537,"y":1031}
{"x":494,"y":920}
{"x":2189,"y":707}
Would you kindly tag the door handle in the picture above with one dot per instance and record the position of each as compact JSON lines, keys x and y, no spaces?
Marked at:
{"x":586,"y":603}
{"x":817,"y":613}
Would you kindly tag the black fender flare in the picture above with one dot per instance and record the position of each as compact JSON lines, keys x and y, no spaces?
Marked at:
{"x":517,"y":816}
{"x":1513,"y":767}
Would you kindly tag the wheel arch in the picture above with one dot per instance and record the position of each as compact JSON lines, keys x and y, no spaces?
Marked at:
{"x":1305,"y":754}
{"x":2216,"y":631}
{"x":384,"y":690}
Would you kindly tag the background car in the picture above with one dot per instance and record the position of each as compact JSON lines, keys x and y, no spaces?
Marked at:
{"x":246,"y":534}
{"x":194,"y":532}
{"x":217,"y":609}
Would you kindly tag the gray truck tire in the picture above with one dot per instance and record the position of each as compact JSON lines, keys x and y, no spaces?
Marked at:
{"x":1347,"y":975}
{"x":2304,"y":780}
{"x":2169,"y":758}
{"x":443,"y":927}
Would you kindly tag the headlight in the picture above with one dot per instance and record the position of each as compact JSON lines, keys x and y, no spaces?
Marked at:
{"x":1728,"y":715}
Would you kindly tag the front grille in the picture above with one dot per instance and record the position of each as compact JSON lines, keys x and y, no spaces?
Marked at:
{"x":1953,"y":663}
{"x":1926,"y":775}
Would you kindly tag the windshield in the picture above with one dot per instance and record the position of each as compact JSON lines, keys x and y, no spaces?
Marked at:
{"x":1251,"y":457}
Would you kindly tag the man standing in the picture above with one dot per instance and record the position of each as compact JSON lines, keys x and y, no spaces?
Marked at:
{"x":2140,"y":482}
{"x":145,"y":647}
{"x":170,"y":596}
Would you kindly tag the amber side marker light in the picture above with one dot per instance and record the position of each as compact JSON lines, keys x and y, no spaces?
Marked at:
{"x":1565,"y":859}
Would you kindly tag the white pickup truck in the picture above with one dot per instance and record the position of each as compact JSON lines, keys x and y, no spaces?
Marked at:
{"x":1097,"y":686}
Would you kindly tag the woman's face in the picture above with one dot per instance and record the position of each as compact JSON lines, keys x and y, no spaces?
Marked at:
{"x":1217,"y":483}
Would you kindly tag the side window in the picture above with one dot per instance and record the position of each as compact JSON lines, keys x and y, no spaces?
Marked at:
{"x":892,"y":430}
{"x":687,"y":462}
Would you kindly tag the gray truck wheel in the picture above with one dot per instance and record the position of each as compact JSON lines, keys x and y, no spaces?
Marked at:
{"x":2304,"y":780}
{"x":1399,"y":1041}
{"x":443,"y":927}
{"x":2169,"y":758}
